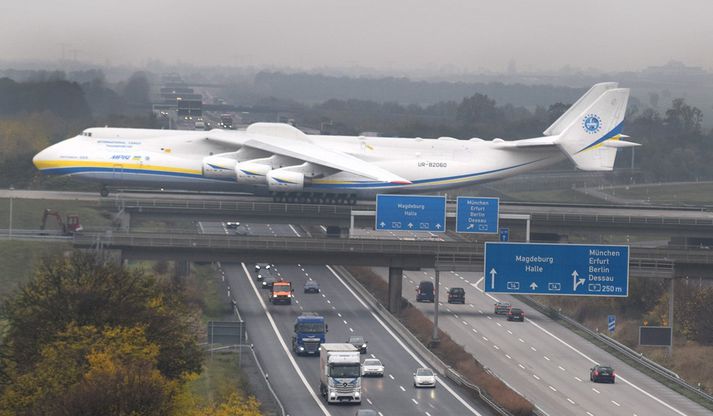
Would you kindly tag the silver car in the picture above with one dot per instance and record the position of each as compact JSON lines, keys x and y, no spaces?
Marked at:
{"x":424,"y":377}
{"x":372,"y":367}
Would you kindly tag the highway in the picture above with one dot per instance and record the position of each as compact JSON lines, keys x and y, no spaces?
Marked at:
{"x":541,"y":359}
{"x":296,"y":379}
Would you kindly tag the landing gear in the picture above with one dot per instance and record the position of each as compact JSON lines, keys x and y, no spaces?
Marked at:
{"x":314,"y":198}
{"x":104,"y":191}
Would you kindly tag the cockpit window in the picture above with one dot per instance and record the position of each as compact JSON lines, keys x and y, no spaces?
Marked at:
{"x":87,"y":133}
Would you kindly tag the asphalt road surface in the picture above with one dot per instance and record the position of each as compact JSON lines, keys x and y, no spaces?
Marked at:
{"x":296,"y":379}
{"x":541,"y":359}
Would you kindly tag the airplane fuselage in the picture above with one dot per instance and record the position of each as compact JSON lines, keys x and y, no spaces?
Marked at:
{"x":172,"y":159}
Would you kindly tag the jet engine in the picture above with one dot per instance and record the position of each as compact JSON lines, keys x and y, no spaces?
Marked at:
{"x":251,"y":173}
{"x":219,"y":167}
{"x":281,"y":180}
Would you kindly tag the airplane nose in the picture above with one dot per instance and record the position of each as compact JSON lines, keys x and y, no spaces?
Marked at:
{"x":39,"y":159}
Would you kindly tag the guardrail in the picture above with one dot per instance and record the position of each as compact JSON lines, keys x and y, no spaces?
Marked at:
{"x":623,"y":349}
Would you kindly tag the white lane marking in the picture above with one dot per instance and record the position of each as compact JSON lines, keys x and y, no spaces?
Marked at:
{"x":391,"y":376}
{"x":485,"y":338}
{"x":475,"y":330}
{"x":400,"y":342}
{"x":498,"y":323}
{"x":617,"y":404}
{"x":533,"y":348}
{"x":496,"y":347}
{"x":339,"y":314}
{"x":561,"y":368}
{"x":471,"y":305}
{"x":402,"y":388}
{"x":590,"y":414}
{"x":465,"y":323}
{"x":509,"y":332}
{"x":577,"y":378}
{"x":552,"y":388}
{"x":351,"y":330}
{"x":508,"y":357}
{"x":282,"y":343}
{"x":329,"y":301}
{"x":428,"y":414}
{"x":595,"y":390}
{"x":455,"y":315}
{"x":479,"y":311}
{"x":369,"y":401}
{"x":345,"y":322}
{"x":414,"y":400}
{"x":535,"y":376}
{"x":520,"y":339}
{"x":546,"y":357}
{"x":521,"y":366}
{"x":570,"y":400}
{"x":323,"y":295}
{"x":489,"y":317}
{"x":296,"y":233}
{"x":618,"y":375}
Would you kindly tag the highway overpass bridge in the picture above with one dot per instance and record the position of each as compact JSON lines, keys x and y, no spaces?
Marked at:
{"x":397,"y":255}
{"x":548,"y":222}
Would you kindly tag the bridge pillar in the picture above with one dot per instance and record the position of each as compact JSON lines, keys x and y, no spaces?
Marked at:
{"x":396,"y":276}
{"x":182,"y":268}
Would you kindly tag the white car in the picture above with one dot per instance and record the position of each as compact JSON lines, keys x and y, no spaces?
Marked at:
{"x":372,"y":367}
{"x":424,"y":377}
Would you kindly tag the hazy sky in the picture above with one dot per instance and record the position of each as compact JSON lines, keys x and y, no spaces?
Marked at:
{"x":382,"y":34}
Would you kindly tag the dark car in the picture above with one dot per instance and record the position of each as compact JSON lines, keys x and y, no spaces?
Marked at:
{"x":456,"y":295}
{"x":359,"y":342}
{"x":516,"y":314}
{"x":311,"y":286}
{"x":502,"y":308}
{"x":267,"y":281}
{"x":425,"y":292}
{"x":602,"y":373}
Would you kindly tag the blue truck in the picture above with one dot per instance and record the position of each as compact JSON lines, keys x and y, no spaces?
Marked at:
{"x":309,"y":334}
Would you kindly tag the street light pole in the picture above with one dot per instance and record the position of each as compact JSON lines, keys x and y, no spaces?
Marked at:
{"x":9,"y":231}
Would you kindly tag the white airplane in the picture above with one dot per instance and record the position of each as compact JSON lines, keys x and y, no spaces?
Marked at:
{"x":280,"y":160}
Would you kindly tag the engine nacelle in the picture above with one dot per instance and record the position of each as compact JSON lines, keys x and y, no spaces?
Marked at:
{"x":280,"y":180}
{"x":219,"y":167}
{"x":251,"y":173}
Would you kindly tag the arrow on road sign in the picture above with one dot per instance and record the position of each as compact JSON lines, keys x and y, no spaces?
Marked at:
{"x":382,"y":224}
{"x":470,"y":226}
{"x":410,"y":225}
{"x":533,"y":285}
{"x":492,"y":278}
{"x":575,"y":282}
{"x":438,"y":226}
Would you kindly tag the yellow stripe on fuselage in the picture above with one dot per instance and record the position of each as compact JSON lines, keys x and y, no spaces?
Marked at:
{"x":57,"y":164}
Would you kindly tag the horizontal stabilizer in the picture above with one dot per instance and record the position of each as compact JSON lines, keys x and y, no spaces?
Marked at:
{"x":620,"y":144}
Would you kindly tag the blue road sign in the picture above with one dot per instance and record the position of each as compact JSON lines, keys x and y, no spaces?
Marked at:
{"x":504,"y":234}
{"x":557,"y":269}
{"x":611,"y":323}
{"x":411,"y":213}
{"x":477,"y":215}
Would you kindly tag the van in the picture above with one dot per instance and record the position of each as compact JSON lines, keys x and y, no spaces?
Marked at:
{"x":456,"y":295}
{"x":425,"y":292}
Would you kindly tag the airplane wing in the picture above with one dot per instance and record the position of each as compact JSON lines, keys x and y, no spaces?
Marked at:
{"x":283,"y":139}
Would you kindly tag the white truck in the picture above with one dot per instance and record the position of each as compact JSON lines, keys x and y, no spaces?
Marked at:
{"x":340,"y":373}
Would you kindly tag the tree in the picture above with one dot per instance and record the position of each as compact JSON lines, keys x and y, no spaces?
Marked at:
{"x":136,"y":90}
{"x":83,"y":291}
{"x":85,"y":371}
{"x":684,"y":118}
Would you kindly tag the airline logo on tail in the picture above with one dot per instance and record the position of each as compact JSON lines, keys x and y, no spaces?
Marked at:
{"x":592,"y":123}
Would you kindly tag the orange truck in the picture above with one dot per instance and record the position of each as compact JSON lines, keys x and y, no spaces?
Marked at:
{"x":281,"y":292}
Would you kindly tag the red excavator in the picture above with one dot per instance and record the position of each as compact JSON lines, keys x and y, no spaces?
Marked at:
{"x":68,"y":227}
